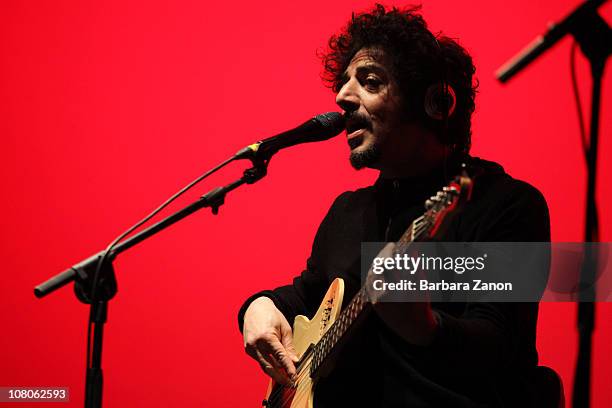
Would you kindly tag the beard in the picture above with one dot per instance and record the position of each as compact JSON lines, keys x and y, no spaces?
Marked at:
{"x":365,"y":158}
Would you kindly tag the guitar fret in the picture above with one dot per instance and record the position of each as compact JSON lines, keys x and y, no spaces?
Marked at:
{"x":448,"y":198}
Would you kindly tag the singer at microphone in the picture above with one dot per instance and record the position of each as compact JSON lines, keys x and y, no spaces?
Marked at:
{"x":407,"y":97}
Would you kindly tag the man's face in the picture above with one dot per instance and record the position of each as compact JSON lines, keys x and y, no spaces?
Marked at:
{"x":371,"y":99}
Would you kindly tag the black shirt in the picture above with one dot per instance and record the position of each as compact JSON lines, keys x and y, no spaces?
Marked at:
{"x":482,"y":353}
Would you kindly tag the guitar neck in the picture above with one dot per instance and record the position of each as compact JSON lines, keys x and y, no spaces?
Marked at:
{"x":439,"y":210}
{"x":356,"y":307}
{"x":337,"y":331}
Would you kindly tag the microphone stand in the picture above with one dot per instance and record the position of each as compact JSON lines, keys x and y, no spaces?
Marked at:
{"x":106,"y":286}
{"x":595,"y":39}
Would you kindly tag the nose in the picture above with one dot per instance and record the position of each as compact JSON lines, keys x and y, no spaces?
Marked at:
{"x":348,"y":97}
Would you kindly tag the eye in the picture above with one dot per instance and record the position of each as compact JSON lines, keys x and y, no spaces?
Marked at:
{"x":372,"y":83}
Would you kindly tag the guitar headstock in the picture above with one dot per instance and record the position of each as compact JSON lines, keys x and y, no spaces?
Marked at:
{"x":445,"y":205}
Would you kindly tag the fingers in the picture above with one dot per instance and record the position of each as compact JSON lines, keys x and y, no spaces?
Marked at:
{"x":287,"y":342}
{"x":273,"y":347}
{"x":269,"y":366}
{"x":268,"y":339}
{"x":273,"y":359}
{"x":273,"y":369}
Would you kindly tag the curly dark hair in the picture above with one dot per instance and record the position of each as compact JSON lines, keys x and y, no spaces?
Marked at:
{"x":419,"y":59}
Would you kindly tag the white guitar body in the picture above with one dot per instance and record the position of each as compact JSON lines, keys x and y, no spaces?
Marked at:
{"x":307,"y":333}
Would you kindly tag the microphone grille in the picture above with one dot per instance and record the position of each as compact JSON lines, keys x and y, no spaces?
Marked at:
{"x":332,"y":121}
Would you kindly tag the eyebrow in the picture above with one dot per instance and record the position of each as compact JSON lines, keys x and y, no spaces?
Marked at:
{"x":370,"y":67}
{"x":376,"y":68}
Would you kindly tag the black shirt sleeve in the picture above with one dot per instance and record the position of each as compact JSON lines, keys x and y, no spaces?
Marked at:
{"x":303,"y":296}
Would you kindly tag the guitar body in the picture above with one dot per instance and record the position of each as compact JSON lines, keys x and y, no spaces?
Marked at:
{"x":307,"y":333}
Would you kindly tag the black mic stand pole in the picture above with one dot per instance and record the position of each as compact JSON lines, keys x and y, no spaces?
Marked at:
{"x":106,"y":287}
{"x":595,"y":39}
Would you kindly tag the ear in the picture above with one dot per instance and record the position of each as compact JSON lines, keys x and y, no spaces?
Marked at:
{"x":440,"y":101}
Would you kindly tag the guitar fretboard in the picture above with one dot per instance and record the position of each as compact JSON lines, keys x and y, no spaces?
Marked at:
{"x":421,"y":228}
{"x":335,"y":333}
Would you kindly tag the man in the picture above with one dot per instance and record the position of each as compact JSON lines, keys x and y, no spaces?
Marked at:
{"x":408,"y":97}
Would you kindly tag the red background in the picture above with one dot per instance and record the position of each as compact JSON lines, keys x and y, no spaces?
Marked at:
{"x":108,"y":108}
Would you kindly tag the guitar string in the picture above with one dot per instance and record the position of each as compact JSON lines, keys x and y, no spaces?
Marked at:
{"x":279,"y":392}
{"x":302,"y":371}
{"x":417,"y":227}
{"x":298,"y":393}
{"x":303,"y":368}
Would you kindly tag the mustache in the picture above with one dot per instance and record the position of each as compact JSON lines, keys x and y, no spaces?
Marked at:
{"x":355,"y":120}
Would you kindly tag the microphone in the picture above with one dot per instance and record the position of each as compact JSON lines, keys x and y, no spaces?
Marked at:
{"x":321,"y":127}
{"x":583,"y":15}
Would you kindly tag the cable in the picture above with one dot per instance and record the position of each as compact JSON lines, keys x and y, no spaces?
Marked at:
{"x":110,"y":247}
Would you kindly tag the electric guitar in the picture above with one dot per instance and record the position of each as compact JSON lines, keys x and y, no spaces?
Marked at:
{"x":317,"y":340}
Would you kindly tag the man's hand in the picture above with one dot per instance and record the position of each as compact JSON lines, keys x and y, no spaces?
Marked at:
{"x":269,"y":340}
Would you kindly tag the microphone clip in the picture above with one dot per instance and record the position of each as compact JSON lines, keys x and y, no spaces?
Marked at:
{"x":257,"y":172}
{"x":260,"y":162}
